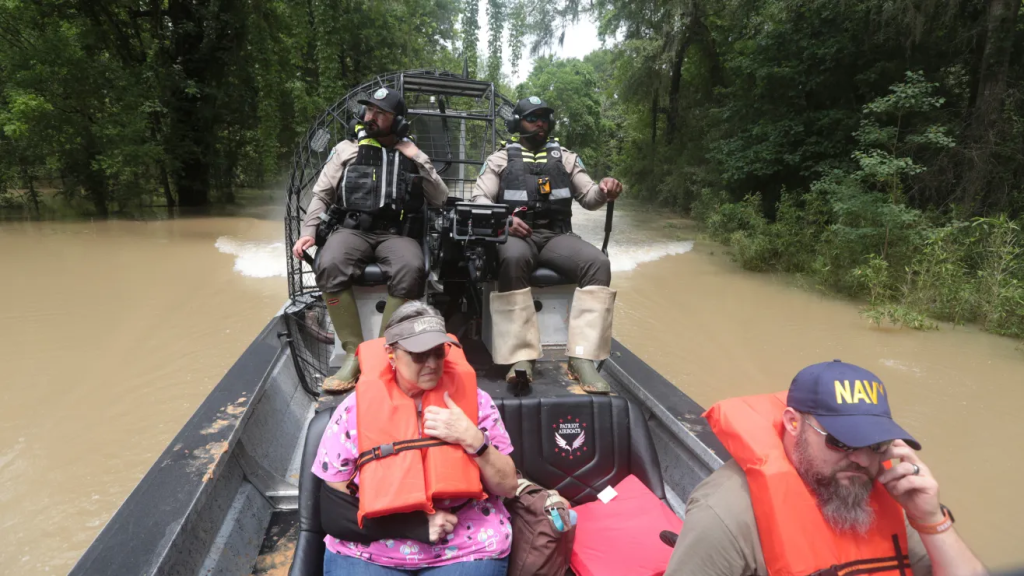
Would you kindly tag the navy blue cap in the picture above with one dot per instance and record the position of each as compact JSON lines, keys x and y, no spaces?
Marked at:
{"x":849,"y":401}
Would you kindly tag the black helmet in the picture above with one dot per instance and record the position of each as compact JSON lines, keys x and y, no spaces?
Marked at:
{"x":525,"y":107}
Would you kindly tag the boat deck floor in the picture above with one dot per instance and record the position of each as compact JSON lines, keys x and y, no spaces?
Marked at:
{"x":278,"y":544}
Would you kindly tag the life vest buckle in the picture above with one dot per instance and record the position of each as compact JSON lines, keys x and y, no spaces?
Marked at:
{"x":384,"y":450}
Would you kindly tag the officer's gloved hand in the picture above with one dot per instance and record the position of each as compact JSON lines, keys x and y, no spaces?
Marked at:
{"x":408,"y":148}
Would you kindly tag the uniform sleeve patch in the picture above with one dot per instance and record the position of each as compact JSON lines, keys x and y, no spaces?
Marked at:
{"x":579,"y":162}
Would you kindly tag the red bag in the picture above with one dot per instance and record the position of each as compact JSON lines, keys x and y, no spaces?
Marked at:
{"x":622,"y":537}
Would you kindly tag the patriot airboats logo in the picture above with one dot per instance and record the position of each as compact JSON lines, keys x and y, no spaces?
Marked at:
{"x":570,"y":434}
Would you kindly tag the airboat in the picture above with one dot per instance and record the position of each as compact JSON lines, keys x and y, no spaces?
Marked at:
{"x":233,"y":494}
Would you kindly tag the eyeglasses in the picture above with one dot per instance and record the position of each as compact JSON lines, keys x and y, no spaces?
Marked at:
{"x":536,"y":118}
{"x":833,"y":443}
{"x":437,"y":353}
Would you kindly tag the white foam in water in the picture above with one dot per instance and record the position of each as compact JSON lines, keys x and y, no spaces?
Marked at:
{"x":255,"y":259}
{"x":626,"y":258}
{"x":267,"y":259}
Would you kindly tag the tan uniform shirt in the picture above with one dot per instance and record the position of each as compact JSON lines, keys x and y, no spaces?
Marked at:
{"x":434,"y":189}
{"x":719,"y":536}
{"x":583,"y":189}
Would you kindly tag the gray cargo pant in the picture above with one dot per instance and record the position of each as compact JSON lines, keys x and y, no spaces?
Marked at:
{"x":347,"y":252}
{"x":572,"y":257}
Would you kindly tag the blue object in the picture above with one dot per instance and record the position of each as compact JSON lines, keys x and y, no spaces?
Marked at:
{"x":572,"y":517}
{"x":557,"y":519}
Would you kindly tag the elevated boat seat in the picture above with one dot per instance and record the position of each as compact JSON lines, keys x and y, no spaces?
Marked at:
{"x":575,"y":444}
{"x":542,"y":277}
{"x":372,"y":276}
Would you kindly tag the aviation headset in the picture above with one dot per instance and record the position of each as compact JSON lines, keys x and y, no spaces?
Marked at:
{"x":399,"y":126}
{"x":513,"y":127}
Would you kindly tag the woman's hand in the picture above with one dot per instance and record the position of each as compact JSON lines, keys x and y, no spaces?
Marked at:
{"x":441,"y":523}
{"x":452,"y":425}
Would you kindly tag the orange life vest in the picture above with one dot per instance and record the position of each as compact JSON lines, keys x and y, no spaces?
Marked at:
{"x":795,"y":538}
{"x":410,"y":480}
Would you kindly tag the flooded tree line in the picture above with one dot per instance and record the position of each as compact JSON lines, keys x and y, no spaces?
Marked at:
{"x":875,"y":147}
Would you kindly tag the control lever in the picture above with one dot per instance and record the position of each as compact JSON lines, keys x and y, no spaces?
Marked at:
{"x":522,"y":384}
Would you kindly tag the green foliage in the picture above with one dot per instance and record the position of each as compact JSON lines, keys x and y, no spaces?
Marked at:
{"x":853,"y":233}
{"x":126,"y":106}
{"x":570,"y":87}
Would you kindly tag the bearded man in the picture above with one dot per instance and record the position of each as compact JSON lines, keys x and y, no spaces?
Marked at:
{"x":378,"y":177}
{"x":822,"y":482}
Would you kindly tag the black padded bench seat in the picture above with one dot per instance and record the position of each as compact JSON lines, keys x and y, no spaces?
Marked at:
{"x":542,"y":277}
{"x":576,"y":444}
{"x":372,"y":276}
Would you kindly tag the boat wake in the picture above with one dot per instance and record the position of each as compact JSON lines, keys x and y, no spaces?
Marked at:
{"x":265,"y":259}
{"x":255,"y":259}
{"x":625,"y":258}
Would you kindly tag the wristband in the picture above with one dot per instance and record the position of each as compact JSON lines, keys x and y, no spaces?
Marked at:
{"x":937,"y":528}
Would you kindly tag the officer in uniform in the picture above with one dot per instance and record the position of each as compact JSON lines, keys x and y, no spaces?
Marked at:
{"x":373,"y":178}
{"x":539,"y":179}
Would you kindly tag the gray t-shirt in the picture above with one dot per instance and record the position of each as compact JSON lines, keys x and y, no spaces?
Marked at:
{"x":719,"y":536}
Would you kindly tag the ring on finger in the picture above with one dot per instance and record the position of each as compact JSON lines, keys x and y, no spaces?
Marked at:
{"x":917,"y":469}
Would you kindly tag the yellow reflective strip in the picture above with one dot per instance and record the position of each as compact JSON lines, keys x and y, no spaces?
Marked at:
{"x":369,"y":142}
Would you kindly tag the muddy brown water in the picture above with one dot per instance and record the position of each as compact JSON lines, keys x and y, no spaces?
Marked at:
{"x":114,"y":332}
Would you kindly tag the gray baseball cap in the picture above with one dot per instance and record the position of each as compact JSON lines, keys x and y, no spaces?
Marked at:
{"x":419,"y":334}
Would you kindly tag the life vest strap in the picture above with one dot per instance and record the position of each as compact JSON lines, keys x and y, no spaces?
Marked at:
{"x":385,"y":450}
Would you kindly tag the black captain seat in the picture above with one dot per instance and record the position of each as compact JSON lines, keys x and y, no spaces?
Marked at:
{"x":575,"y":444}
{"x":543,"y":277}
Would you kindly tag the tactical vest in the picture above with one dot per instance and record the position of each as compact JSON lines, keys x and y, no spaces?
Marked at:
{"x":376,"y":184}
{"x":539,"y":182}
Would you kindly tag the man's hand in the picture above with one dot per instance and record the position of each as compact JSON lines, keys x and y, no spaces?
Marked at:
{"x":407,"y":148}
{"x":519,"y":229}
{"x":917,"y":494}
{"x":301,"y":245}
{"x":611,"y":188}
{"x":441,"y":523}
{"x":451,"y":425}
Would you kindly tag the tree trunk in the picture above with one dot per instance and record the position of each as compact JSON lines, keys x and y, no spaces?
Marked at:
{"x":654,"y":119}
{"x":33,"y":196}
{"x":168,"y":197}
{"x":671,"y":122}
{"x":1000,"y":23}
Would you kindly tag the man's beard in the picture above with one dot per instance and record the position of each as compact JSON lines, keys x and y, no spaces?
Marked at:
{"x":373,"y":130}
{"x":844,"y":504}
{"x":535,"y":140}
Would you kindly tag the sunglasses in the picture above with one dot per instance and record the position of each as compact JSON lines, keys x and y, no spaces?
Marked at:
{"x":834,"y":444}
{"x":536,"y":118}
{"x":437,"y":353}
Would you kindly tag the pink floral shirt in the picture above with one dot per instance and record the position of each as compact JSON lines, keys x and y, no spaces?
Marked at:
{"x":483,"y":531}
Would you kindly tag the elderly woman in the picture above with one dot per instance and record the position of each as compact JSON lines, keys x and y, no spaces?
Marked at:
{"x":414,"y":448}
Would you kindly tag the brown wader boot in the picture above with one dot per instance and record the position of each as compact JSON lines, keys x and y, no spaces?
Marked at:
{"x":341,"y":307}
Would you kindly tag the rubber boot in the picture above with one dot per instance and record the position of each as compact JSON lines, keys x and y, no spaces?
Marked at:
{"x":341,"y":306}
{"x":590,"y":336}
{"x":389,"y":308}
{"x":585,"y":372}
{"x":525,"y":365}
